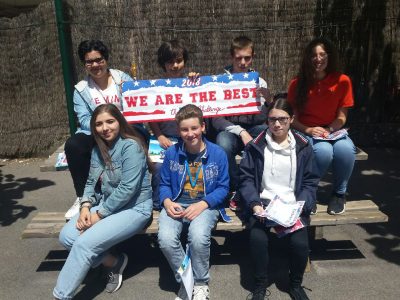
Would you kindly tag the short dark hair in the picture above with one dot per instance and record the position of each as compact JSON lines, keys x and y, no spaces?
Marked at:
{"x":189,"y":111}
{"x":241,"y":42}
{"x":92,"y":45}
{"x":281,"y":103}
{"x":171,"y":50}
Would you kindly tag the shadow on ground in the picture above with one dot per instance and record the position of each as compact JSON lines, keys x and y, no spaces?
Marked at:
{"x":11,"y":190}
{"x":377,"y":179}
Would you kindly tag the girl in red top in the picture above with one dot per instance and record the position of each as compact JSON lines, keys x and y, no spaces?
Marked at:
{"x":321,"y":97}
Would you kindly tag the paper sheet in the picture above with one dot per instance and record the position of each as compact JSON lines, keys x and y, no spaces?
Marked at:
{"x":186,"y":272}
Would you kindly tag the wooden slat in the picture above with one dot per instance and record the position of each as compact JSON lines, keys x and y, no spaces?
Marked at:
{"x":51,"y":231}
{"x":364,"y":205}
{"x":49,"y":224}
{"x":361,"y":154}
{"x":49,"y":217}
{"x":356,"y":217}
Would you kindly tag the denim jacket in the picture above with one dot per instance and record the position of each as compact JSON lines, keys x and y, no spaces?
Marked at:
{"x":215,"y":173}
{"x":124,"y":186}
{"x":83,"y":105}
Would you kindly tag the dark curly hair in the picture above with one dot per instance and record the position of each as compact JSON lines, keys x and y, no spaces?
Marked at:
{"x":92,"y":45}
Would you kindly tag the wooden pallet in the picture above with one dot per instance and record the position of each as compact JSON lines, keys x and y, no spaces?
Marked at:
{"x":49,"y":224}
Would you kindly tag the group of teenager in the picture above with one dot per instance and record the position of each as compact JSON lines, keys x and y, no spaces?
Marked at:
{"x":117,"y":186}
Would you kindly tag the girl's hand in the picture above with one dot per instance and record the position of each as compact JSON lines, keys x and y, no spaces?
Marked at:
{"x":174,"y":210}
{"x":317,"y":131}
{"x":164,"y":141}
{"x":84,"y":220}
{"x":257,"y":209}
{"x":94,"y":218}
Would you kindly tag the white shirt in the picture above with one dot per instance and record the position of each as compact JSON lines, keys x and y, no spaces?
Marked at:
{"x":109,"y":95}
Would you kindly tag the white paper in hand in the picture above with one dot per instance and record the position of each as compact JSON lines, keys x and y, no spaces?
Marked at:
{"x":186,"y":272}
{"x":284,"y":213}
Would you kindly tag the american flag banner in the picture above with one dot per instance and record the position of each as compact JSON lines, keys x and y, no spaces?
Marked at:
{"x":216,"y":95}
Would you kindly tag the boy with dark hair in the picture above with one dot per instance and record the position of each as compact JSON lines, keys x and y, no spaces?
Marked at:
{"x":234,"y":132}
{"x":194,"y":183}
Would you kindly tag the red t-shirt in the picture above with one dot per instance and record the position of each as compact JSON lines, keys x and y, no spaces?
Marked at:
{"x":324,"y":99}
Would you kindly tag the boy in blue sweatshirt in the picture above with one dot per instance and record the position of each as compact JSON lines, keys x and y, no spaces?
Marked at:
{"x":194,"y":183}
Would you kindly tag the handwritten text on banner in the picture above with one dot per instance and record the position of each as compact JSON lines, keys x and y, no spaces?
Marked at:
{"x":217,"y":95}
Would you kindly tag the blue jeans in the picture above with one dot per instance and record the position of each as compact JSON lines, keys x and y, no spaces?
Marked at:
{"x":199,"y":240}
{"x":340,"y":155}
{"x":89,"y":249}
{"x":233,"y":145}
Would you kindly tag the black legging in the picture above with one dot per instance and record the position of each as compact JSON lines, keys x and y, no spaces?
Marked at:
{"x":298,"y":254}
{"x":78,"y":150}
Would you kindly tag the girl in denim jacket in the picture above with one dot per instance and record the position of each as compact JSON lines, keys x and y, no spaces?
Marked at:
{"x":119,"y":161}
{"x":101,"y":85}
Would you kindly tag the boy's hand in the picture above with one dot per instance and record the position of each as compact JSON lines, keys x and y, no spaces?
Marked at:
{"x":164,"y":141}
{"x":174,"y":210}
{"x":246,"y":137}
{"x":195,"y":209}
{"x":193,"y":75}
{"x":264,"y":92}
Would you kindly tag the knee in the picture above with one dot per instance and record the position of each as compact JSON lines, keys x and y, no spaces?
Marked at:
{"x":167,"y":239}
{"x":323,"y":153}
{"x":345,"y":149}
{"x":258,"y":237}
{"x":66,"y":238}
{"x":225,"y":140}
{"x":71,"y":145}
{"x":200,"y":239}
{"x":300,"y":246}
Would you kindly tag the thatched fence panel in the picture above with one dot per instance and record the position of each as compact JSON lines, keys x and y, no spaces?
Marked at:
{"x":366,"y":33}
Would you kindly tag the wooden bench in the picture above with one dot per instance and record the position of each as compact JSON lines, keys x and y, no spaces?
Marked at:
{"x":49,"y":224}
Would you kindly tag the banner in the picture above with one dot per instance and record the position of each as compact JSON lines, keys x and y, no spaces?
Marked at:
{"x":217,"y":95}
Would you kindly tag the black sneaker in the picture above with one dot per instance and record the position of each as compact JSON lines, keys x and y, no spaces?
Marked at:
{"x":298,"y":293}
{"x":115,"y":274}
{"x":259,"y":294}
{"x":314,"y":210}
{"x":336,"y":205}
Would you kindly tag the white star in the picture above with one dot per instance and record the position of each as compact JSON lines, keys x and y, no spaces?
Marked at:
{"x":168,"y":81}
{"x":153,"y":82}
{"x":230,"y":76}
{"x":245,"y":75}
{"x":253,"y":81}
{"x":136,"y":83}
{"x":214,"y":78}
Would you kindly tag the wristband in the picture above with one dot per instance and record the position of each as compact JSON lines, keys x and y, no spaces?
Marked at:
{"x":85,"y":204}
{"x":99,"y":214}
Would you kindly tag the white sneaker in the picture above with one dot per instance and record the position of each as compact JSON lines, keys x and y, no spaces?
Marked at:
{"x":74,"y":209}
{"x":201,"y":292}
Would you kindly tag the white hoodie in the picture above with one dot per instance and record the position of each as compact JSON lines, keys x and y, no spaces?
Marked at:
{"x":279,"y":175}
